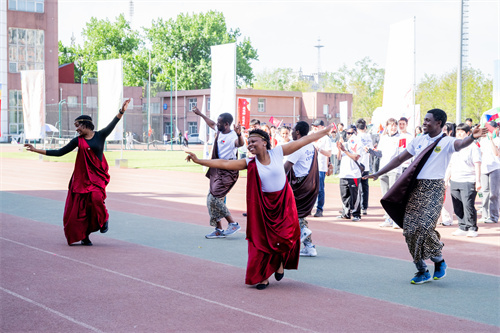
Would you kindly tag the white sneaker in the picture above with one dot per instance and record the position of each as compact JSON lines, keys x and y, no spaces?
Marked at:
{"x":459,"y":232}
{"x":309,"y":251}
{"x":386,"y":223}
{"x":447,"y":223}
{"x":304,"y":233}
{"x":471,"y":233}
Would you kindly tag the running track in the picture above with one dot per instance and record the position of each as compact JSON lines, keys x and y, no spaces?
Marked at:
{"x":155,"y":272}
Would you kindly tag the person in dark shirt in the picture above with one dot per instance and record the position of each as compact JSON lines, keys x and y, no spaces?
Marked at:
{"x":85,"y":211}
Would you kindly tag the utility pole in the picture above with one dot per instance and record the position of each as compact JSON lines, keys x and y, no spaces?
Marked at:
{"x":319,"y":46}
{"x":464,"y":51}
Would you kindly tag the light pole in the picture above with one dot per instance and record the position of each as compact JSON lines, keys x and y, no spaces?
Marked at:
{"x":171,"y":120}
{"x":60,"y":116}
{"x":81,"y":93}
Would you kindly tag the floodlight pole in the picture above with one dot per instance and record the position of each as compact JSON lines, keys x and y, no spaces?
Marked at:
{"x":60,"y":116}
{"x":149,"y":98}
{"x":81,"y":93}
{"x":171,"y":122}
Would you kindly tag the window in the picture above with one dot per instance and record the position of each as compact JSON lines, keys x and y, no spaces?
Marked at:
{"x":16,"y":123}
{"x":26,"y":49}
{"x":193,"y":127}
{"x":326,"y":108}
{"x":208,"y":104}
{"x":33,"y":6}
{"x":192,"y":103}
{"x":168,"y":129}
{"x":155,"y":108}
{"x":91,"y":102}
{"x":261,"y":106}
{"x":72,"y":100}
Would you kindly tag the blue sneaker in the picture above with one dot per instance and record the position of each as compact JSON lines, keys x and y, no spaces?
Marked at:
{"x":440,"y":270}
{"x":421,"y":277}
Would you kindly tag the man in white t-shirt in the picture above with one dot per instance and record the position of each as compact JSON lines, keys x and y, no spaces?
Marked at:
{"x":425,"y":198}
{"x":464,"y":177}
{"x":221,"y":181}
{"x":304,"y":184}
{"x":490,"y":175}
{"x":350,"y":175}
{"x":405,"y":138}
{"x":366,"y":143}
{"x":324,"y":152}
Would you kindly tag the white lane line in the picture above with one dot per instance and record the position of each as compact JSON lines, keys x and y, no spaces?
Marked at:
{"x":46,"y":308}
{"x":230,"y":307}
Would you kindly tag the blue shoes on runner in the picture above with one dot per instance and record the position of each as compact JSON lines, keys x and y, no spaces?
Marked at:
{"x":440,"y":270}
{"x":217,"y":233}
{"x":421,"y":277}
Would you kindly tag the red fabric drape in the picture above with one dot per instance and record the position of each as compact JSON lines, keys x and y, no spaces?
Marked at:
{"x":85,"y":211}
{"x":273,"y":230}
{"x":306,"y":192}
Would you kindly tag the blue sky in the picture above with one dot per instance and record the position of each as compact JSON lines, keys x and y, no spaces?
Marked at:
{"x":285,"y":32}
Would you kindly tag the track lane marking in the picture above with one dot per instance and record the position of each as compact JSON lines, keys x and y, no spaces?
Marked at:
{"x":46,"y":308}
{"x":151,"y":284}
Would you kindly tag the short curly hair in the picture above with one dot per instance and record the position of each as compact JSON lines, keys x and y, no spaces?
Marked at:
{"x":86,"y":121}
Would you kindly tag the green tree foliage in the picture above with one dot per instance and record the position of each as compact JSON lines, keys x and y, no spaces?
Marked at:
{"x":281,"y":79}
{"x":187,"y":40}
{"x":441,"y":92}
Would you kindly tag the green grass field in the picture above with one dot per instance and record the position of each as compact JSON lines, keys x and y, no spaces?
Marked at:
{"x":161,"y":160}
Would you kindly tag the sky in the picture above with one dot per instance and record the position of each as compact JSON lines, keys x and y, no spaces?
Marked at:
{"x":285,"y":32}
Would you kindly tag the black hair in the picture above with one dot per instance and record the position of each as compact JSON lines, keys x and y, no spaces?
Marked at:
{"x":361,"y":124}
{"x":468,"y":119}
{"x":254,"y":122}
{"x":450,"y":127}
{"x":226,"y":118}
{"x":302,"y":127}
{"x":341,"y":124}
{"x":439,"y":114}
{"x":463,"y":127}
{"x":403,"y":119}
{"x":86,"y":121}
{"x":263,"y":134}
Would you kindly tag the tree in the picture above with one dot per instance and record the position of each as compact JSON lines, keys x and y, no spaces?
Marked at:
{"x":441,"y":92}
{"x":365,"y":82}
{"x":281,"y":79}
{"x":187,"y":41}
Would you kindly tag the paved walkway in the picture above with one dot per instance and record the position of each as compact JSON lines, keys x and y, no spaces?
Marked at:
{"x":155,"y":272}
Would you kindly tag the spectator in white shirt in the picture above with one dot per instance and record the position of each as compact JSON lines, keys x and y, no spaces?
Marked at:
{"x":490,"y":175}
{"x":324,"y":152}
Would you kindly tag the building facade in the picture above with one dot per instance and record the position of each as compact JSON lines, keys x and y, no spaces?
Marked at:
{"x":28,"y":40}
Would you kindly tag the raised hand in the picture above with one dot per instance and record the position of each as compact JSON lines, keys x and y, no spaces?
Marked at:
{"x":237,"y":128}
{"x":29,"y":147}
{"x":479,"y":132}
{"x":192,"y":157}
{"x":125,"y":105}
{"x":196,"y":111}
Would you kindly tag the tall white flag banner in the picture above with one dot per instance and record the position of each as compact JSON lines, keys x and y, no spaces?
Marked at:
{"x":223,"y":89}
{"x":496,"y":85}
{"x":110,"y":95}
{"x":203,"y":125}
{"x":33,"y":92}
{"x":399,"y":80}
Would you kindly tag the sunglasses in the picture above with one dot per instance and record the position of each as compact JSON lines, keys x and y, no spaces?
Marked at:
{"x":349,"y":133}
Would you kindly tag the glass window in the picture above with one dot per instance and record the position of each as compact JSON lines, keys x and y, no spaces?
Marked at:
{"x":193,"y":127}
{"x":261,"y":106}
{"x":208,"y":104}
{"x":32,"y":6}
{"x":12,"y":4}
{"x":155,"y":108}
{"x":72,"y":100}
{"x":26,"y":49}
{"x":92,"y":102}
{"x":192,"y":103}
{"x":15,"y":112}
{"x":167,"y":129}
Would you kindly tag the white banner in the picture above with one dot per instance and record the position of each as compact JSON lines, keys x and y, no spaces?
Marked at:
{"x":110,"y":96}
{"x":223,"y":89}
{"x":399,"y":77}
{"x":33,"y":92}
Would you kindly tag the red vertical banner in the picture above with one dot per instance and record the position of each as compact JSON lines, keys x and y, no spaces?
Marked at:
{"x":244,"y":111}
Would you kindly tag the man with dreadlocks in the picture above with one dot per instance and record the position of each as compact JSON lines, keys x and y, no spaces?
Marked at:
{"x":85,"y":211}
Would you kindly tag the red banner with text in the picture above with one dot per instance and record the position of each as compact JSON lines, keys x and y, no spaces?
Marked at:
{"x":244,"y":111}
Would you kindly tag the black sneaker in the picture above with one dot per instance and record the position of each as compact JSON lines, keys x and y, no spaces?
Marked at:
{"x":104,"y":228}
{"x":319,"y":213}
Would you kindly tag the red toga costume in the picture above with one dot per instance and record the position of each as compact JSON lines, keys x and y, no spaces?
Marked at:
{"x":273,"y":231}
{"x":85,"y":211}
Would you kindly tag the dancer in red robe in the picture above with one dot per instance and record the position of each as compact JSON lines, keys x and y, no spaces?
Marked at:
{"x":85,"y":211}
{"x":273,"y":231}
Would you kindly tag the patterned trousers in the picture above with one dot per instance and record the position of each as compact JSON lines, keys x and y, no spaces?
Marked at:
{"x":421,"y":216}
{"x":216,"y":209}
{"x":304,"y":224}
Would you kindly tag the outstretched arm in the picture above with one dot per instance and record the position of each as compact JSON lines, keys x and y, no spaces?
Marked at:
{"x":209,"y":121}
{"x":394,"y":163}
{"x":476,"y":134}
{"x":293,"y":146}
{"x":56,"y":152}
{"x":218,"y":163}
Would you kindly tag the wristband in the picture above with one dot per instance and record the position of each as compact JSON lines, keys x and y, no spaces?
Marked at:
{"x":121,"y":111}
{"x":238,"y":135}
